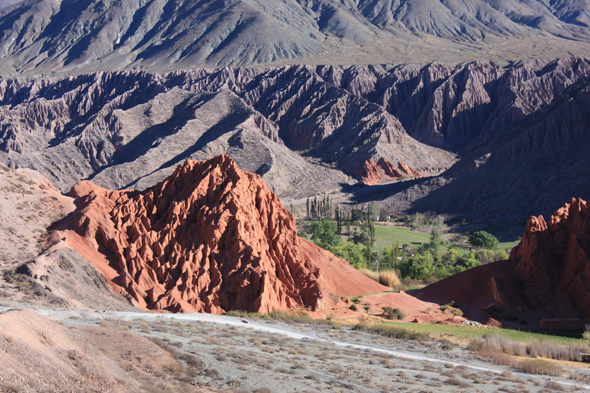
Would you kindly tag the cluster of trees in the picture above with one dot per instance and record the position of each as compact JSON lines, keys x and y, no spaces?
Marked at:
{"x":318,"y":210}
{"x":419,"y":220}
{"x":424,"y":263}
{"x":427,"y":262}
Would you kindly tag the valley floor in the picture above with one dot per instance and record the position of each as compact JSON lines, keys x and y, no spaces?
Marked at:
{"x":219,"y":353}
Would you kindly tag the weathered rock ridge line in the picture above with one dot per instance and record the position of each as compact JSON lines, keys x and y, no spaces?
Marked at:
{"x":210,"y":238}
{"x":305,"y":129}
{"x":546,"y":277}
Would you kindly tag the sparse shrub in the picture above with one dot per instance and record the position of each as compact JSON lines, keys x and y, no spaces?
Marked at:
{"x":571,"y":352}
{"x":353,"y":307}
{"x":539,"y":366}
{"x":393,"y":313}
{"x":392,"y":331}
{"x":371,"y":274}
{"x":295,"y":317}
{"x":357,"y":300}
{"x":451,"y":308}
{"x":211,"y":373}
{"x":242,"y":314}
{"x":430,"y":280}
{"x":389,"y":278}
{"x":447,"y":347}
{"x":234,"y":384}
{"x":174,"y":368}
{"x":554,"y":386}
{"x":456,"y":382}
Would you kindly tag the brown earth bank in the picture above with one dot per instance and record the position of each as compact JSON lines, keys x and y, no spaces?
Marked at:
{"x":210,"y":238}
{"x":545,"y":283}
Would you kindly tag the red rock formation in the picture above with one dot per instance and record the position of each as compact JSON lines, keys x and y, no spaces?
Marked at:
{"x":411,"y":172}
{"x":209,"y":238}
{"x":547,"y":275}
{"x":369,"y":173}
{"x":389,"y":169}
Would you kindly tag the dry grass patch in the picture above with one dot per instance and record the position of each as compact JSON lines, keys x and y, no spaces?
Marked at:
{"x":389,"y":278}
{"x":539,"y":366}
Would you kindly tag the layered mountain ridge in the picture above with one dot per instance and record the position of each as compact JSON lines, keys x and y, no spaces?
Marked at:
{"x":306,"y":129}
{"x":210,"y":238}
{"x":45,"y":36}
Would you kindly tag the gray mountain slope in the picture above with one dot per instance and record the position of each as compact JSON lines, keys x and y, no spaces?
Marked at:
{"x":45,"y":36}
{"x":130,"y":129}
{"x":521,"y":132}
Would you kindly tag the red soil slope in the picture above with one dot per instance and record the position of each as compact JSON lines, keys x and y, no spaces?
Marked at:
{"x":210,"y":238}
{"x":547,"y":275}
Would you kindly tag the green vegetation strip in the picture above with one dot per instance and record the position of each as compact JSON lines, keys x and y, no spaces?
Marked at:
{"x":470,"y":332}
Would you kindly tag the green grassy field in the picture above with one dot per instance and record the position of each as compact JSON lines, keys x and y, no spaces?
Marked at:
{"x":469,"y":332}
{"x":385,"y":236}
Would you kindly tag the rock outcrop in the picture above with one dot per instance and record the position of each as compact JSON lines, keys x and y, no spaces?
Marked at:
{"x":409,"y":171}
{"x":369,"y":173}
{"x":210,"y":238}
{"x":389,"y":169}
{"x":373,"y":172}
{"x":546,"y":277}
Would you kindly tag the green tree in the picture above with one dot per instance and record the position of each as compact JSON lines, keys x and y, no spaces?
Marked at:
{"x":483,"y":239}
{"x":307,"y":208}
{"x":348,"y":224}
{"x":338,"y":219}
{"x":485,"y":256}
{"x":468,"y":261}
{"x":324,"y":234}
{"x":451,"y":257}
{"x":419,"y":267}
{"x":395,"y":254}
{"x":353,"y":253}
{"x":500,"y":256}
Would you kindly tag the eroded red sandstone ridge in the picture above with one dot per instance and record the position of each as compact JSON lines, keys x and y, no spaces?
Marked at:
{"x":209,"y":238}
{"x":547,"y":275}
{"x":372,"y":172}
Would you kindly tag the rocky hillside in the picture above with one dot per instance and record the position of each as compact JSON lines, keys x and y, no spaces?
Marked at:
{"x":158,"y":35}
{"x":547,"y":275}
{"x":210,"y":238}
{"x":306,"y":129}
{"x":130,"y":129}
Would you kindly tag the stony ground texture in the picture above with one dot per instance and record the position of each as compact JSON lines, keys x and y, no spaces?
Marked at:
{"x":240,"y":359}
